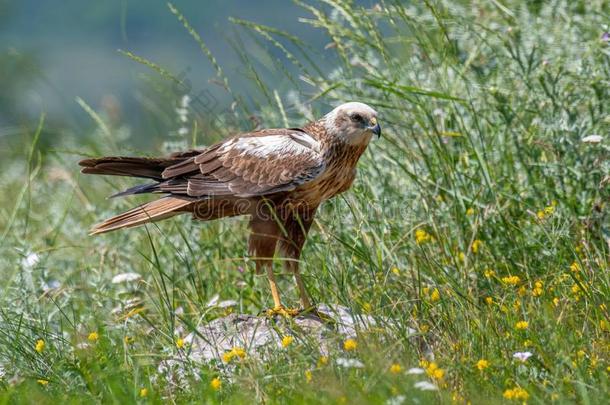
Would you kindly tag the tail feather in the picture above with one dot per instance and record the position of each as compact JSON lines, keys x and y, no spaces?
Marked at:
{"x":129,"y":166}
{"x":153,"y":211}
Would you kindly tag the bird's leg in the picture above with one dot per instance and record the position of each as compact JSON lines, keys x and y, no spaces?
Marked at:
{"x":296,"y":228}
{"x":262,"y":244}
{"x":275,"y":293}
{"x":293,"y":266}
{"x":307,"y":307}
{"x":278,"y":308}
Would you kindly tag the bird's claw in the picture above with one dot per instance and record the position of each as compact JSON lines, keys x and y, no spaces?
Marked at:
{"x":293,"y":312}
{"x":283,"y":311}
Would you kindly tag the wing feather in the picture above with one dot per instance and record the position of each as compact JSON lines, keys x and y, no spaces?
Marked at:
{"x":248,"y":165}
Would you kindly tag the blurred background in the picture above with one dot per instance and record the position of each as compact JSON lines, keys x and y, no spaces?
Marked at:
{"x":51,"y":53}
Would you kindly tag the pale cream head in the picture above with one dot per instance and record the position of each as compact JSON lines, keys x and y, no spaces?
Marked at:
{"x":353,"y":123}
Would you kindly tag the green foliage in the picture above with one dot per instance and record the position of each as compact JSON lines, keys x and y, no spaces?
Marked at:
{"x":479,"y":218}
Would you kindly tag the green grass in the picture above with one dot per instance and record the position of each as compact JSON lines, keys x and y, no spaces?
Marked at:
{"x":483,"y":107}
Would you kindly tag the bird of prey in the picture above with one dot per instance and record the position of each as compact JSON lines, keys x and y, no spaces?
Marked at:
{"x":278,"y":177}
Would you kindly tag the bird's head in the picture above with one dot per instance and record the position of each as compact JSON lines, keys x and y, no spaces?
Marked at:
{"x":353,"y":123}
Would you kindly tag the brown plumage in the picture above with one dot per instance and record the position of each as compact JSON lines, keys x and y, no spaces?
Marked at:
{"x":278,"y":177}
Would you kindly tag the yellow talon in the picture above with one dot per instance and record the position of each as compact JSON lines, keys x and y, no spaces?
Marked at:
{"x":285,"y":312}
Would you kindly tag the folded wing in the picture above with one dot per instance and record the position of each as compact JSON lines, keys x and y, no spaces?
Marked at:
{"x":249,"y":165}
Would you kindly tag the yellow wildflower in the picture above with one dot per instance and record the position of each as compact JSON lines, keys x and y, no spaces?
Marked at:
{"x":556,"y":301}
{"x":516,"y":393}
{"x":470,"y":211}
{"x":179,"y":343}
{"x":434,"y":371}
{"x":308,"y":376}
{"x":522,"y":291}
{"x":540,"y":214}
{"x":143,"y":392}
{"x":422,"y":236}
{"x":215,"y":384}
{"x":475,"y":246}
{"x":367,"y":307}
{"x":322,"y":361}
{"x":350,"y":344}
{"x":128,"y":340}
{"x":39,"y":345}
{"x":461,"y":257}
{"x":549,"y":210}
{"x":93,"y":337}
{"x":574,"y":267}
{"x":43,"y":382}
{"x":521,"y":325}
{"x":511,"y":280}
{"x":234,"y":352}
{"x":424,"y":328}
{"x":489,"y":273}
{"x":395,"y":368}
{"x":435,"y":295}
{"x":482,"y":364}
{"x":489,"y":300}
{"x":537,"y":290}
{"x":287,"y":340}
{"x":396,"y":271}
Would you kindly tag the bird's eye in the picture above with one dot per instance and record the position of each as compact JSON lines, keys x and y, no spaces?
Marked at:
{"x":357,"y":118}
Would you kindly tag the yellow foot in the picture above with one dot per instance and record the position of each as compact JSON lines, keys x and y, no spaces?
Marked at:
{"x":283,"y":311}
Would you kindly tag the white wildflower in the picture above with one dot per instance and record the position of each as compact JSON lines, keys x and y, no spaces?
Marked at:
{"x":183,"y":131}
{"x":349,"y":363}
{"x":125,"y":278}
{"x":425,"y":386}
{"x":186,"y":100}
{"x":592,"y":139}
{"x":227,"y":304}
{"x":51,"y":285}
{"x":397,"y":400}
{"x":182,"y":111}
{"x":215,"y":302}
{"x":522,"y":356}
{"x":30,"y":260}
{"x":416,"y":370}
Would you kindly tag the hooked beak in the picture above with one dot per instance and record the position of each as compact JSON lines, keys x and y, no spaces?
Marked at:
{"x":375,"y":127}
